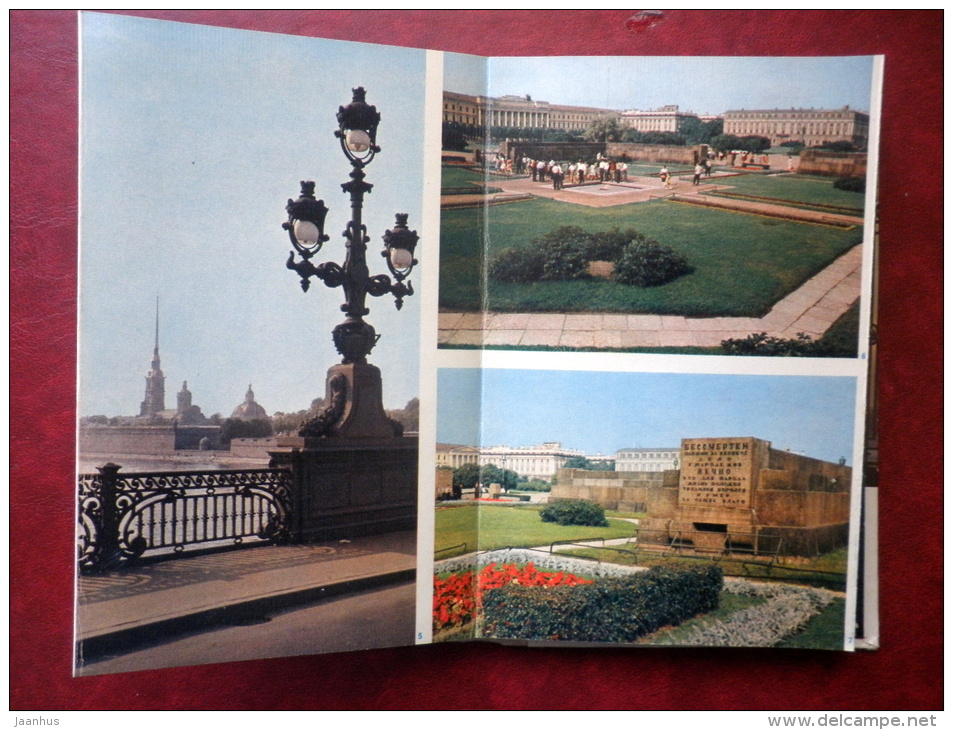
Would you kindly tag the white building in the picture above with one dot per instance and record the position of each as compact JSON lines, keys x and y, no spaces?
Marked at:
{"x":454,"y":455}
{"x":664,"y":119}
{"x":533,"y":462}
{"x":651,"y":459}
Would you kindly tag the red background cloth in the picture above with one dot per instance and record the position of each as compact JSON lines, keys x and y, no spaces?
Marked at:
{"x":906,"y":674}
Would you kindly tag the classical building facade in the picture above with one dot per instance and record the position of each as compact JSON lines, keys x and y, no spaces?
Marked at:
{"x":664,"y":119}
{"x":649,"y":459}
{"x":533,"y":462}
{"x":518,"y":111}
{"x":463,"y":108}
{"x":454,"y":456}
{"x":810,"y":126}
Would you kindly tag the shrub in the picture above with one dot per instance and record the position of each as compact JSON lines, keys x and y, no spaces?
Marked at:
{"x":608,"y":245}
{"x":518,"y":265}
{"x":607,"y":610}
{"x":645,"y":262}
{"x":762,"y":344}
{"x":534,"y":485}
{"x":574,"y":512}
{"x":564,"y":251}
{"x":852,"y":184}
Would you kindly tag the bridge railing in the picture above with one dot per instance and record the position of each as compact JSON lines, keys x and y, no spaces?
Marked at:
{"x":123,"y":517}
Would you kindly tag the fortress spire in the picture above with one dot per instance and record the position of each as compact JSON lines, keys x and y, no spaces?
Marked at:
{"x":154,"y":400}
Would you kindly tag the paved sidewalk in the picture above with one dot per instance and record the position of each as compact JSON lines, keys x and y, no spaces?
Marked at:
{"x":811,"y":309}
{"x":164,"y":598}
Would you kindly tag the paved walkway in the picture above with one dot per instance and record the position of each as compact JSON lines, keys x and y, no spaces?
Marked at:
{"x":126,"y":606}
{"x":811,"y":309}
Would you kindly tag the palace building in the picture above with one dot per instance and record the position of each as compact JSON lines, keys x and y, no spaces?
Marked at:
{"x":648,"y":459}
{"x":810,"y":126}
{"x":533,"y":462}
{"x":664,"y":119}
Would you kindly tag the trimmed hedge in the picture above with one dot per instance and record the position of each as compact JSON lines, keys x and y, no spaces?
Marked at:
{"x":608,"y":610}
{"x":574,"y":512}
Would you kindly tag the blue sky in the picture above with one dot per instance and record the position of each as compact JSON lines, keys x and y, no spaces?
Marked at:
{"x":702,"y":85}
{"x":601,"y":412}
{"x":192,"y":140}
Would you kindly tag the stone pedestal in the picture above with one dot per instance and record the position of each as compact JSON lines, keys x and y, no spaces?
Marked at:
{"x":345,"y":488}
{"x":354,"y":473}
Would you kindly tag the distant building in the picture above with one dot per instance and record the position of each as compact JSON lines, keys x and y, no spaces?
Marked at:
{"x":648,"y":459}
{"x":187,"y":414}
{"x":519,"y":111}
{"x":533,"y":462}
{"x":454,"y":455}
{"x":810,"y":126}
{"x":249,"y":410}
{"x":664,"y":119}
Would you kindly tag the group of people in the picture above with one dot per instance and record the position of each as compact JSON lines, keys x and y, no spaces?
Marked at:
{"x":603,"y":170}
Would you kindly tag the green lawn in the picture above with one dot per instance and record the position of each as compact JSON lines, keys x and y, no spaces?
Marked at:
{"x":501,"y":527}
{"x":824,"y":631}
{"x":825,"y":571}
{"x":817,"y":191}
{"x":742,"y":264}
{"x":453,"y":177}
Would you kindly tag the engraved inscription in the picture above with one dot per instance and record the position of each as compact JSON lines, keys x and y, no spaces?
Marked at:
{"x":716,"y":472}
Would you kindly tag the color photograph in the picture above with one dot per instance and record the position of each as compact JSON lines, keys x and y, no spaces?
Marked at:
{"x":645,"y":508}
{"x":674,"y":205}
{"x":247,"y":479}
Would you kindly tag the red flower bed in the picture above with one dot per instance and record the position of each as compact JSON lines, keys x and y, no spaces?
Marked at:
{"x":456,"y":598}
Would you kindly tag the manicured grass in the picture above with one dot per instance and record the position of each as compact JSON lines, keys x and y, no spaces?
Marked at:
{"x":453,"y":176}
{"x":824,"y":631}
{"x":825,"y":571}
{"x":805,"y":189}
{"x":498,"y":527}
{"x":742,"y":264}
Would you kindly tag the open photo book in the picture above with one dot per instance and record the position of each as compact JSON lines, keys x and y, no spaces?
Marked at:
{"x":568,"y":351}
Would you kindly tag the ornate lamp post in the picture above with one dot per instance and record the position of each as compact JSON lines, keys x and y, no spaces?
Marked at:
{"x":354,"y":406}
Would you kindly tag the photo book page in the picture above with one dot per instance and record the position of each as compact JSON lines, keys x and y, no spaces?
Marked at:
{"x":422,"y":347}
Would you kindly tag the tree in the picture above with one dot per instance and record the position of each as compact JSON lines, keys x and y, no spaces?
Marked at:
{"x":604,"y":129}
{"x":579,"y":462}
{"x":754,"y":143}
{"x":466,"y":476}
{"x":492,"y":474}
{"x":240,"y":428}
{"x":454,"y":136}
{"x":725,"y":142}
{"x":408,"y":416}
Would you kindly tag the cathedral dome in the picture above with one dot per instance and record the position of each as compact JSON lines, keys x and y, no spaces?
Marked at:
{"x":249,"y":410}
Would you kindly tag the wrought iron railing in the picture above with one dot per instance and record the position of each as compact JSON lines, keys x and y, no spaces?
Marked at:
{"x":122,"y":517}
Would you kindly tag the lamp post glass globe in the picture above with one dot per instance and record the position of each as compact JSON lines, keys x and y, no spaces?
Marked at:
{"x":401,"y":258}
{"x":306,"y":232}
{"x":357,"y":140}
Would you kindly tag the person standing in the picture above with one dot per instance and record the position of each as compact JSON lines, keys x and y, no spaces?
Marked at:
{"x":698,"y":173}
{"x":557,"y":174}
{"x":665,"y":177}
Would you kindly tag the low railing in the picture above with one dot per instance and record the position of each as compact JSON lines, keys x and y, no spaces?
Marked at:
{"x":122,"y":517}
